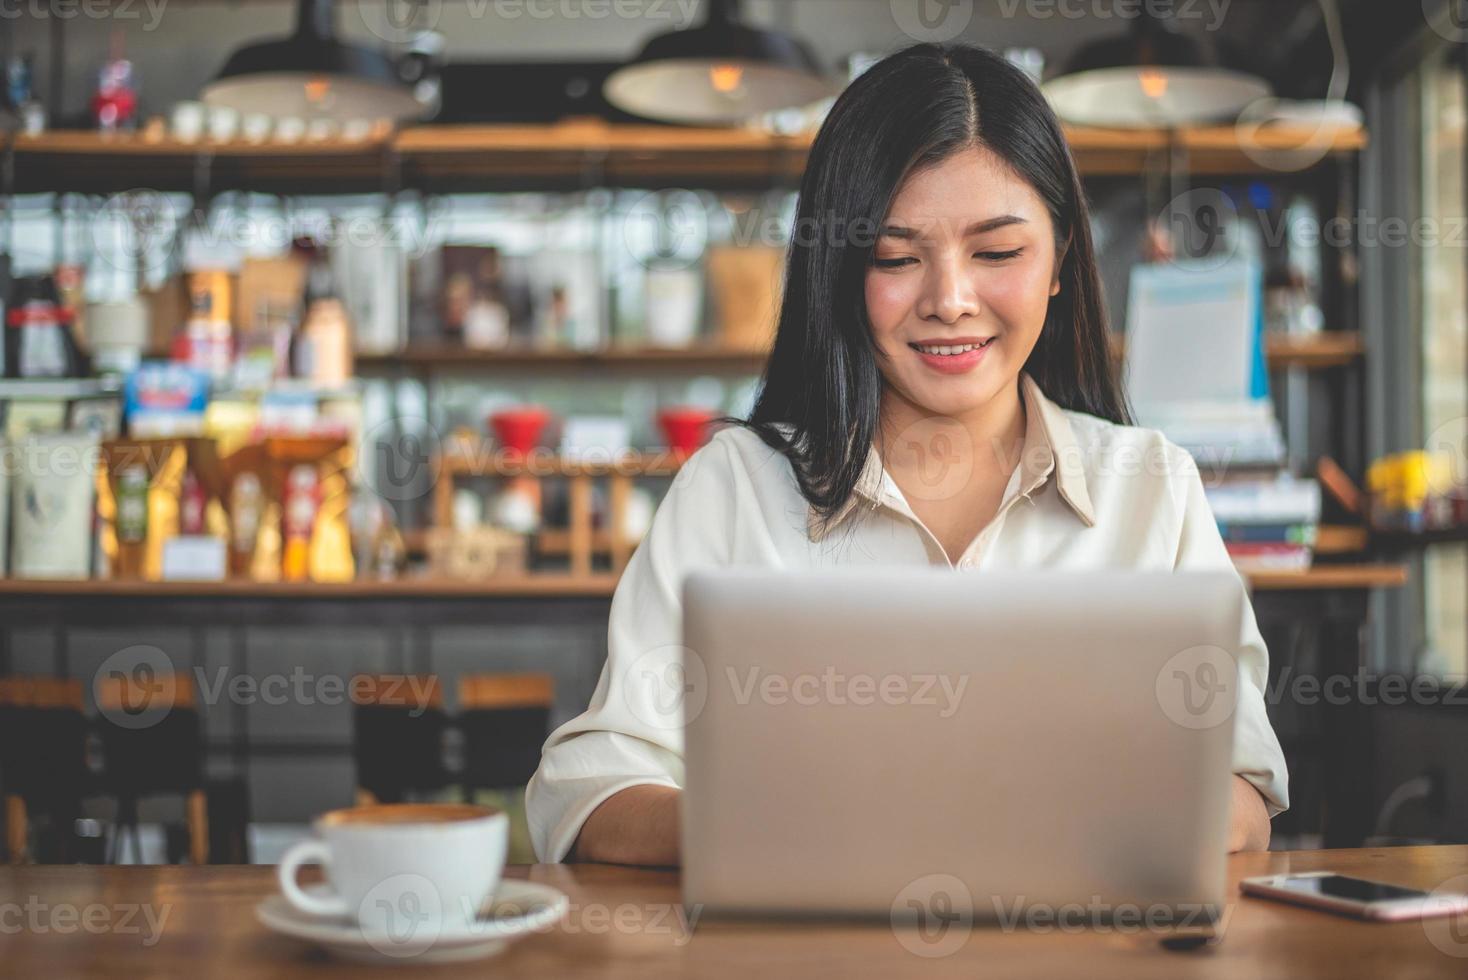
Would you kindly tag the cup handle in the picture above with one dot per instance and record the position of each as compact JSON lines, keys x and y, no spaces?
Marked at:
{"x":308,"y":852}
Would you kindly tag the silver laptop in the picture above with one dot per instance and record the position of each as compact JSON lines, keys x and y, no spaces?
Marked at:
{"x":857,"y":738}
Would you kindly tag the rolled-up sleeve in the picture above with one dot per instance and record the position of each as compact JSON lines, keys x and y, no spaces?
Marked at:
{"x":631,"y":733}
{"x":1257,"y":756}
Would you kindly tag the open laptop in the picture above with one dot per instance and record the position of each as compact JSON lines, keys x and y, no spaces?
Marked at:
{"x":1044,"y":738}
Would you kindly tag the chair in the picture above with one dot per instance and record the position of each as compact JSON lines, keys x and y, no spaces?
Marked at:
{"x":43,"y":764}
{"x":152,"y":745}
{"x":505,"y":719}
{"x":398,"y":726}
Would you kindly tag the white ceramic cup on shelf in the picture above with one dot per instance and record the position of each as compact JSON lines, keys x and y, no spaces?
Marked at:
{"x":410,"y":871}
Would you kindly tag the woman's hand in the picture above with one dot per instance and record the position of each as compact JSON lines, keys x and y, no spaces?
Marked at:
{"x":639,"y":825}
{"x":1248,"y":820}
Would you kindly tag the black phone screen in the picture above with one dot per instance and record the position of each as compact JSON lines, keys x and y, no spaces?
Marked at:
{"x":1351,"y":889}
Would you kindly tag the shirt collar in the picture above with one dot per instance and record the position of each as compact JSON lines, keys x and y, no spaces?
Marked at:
{"x":1050,"y":447}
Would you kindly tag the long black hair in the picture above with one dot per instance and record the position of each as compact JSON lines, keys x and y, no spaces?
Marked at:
{"x":821,"y":392}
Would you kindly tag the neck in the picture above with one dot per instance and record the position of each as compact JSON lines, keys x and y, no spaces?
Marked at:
{"x":996,"y":429}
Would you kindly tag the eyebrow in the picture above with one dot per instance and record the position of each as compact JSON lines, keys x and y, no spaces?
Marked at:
{"x":977,"y":228}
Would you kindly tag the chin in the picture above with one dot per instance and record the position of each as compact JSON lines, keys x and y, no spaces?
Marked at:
{"x":955,"y":399}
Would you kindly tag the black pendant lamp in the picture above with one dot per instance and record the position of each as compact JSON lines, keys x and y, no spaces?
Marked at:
{"x":721,"y":73}
{"x":313,"y":75}
{"x":1151,"y":76}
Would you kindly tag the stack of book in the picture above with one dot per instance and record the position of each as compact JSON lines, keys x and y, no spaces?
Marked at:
{"x":1267,"y":522}
{"x":1223,"y":437}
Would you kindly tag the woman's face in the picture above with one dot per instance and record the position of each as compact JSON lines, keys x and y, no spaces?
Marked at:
{"x":962,"y":275}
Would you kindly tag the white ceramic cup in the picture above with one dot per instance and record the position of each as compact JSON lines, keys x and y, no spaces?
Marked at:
{"x":396,"y":868}
{"x":187,"y":121}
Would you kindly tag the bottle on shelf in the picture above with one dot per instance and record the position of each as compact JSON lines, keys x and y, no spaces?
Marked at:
{"x":115,"y":103}
{"x":322,"y":351}
{"x":208,"y":334}
{"x":38,"y":339}
{"x":20,"y":94}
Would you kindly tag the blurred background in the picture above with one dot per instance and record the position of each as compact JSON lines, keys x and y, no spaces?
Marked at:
{"x":349,"y":347}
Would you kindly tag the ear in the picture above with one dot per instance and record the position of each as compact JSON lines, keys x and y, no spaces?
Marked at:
{"x":1060,"y":255}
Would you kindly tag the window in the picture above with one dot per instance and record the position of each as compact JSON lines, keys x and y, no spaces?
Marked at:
{"x":1444,"y":303}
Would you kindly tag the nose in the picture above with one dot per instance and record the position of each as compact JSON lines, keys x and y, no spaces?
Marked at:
{"x":948,"y":292}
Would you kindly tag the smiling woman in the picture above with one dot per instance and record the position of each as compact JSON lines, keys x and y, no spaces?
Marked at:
{"x":982,"y":234}
{"x":940,"y":390}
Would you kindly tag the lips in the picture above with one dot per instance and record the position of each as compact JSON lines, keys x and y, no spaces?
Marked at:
{"x":953,"y":356}
{"x":950,"y":348}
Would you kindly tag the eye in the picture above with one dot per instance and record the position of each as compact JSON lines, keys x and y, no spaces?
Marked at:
{"x":1000,"y":256}
{"x":893,"y":263}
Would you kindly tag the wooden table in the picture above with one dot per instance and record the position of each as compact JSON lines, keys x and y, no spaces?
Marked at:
{"x":626,"y":923}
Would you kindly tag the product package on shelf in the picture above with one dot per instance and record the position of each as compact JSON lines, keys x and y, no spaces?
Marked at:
{"x":746,"y":281}
{"x":38,"y":332}
{"x":166,"y":400}
{"x":254,"y":518}
{"x":151,"y":492}
{"x":51,"y":503}
{"x":207,"y":342}
{"x":470,"y":554}
{"x":372,"y":279}
{"x":1417,"y":491}
{"x":310,"y":481}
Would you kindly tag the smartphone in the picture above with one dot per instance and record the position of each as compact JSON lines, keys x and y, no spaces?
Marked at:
{"x":1355,"y":896}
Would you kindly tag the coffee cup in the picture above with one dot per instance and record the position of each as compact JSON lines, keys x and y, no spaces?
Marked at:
{"x":405,"y":869}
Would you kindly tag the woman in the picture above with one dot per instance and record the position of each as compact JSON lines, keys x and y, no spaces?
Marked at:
{"x":940,"y":392}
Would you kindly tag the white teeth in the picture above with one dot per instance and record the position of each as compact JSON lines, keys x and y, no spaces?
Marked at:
{"x":949,"y":351}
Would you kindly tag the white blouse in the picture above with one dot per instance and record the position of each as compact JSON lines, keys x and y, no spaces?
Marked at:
{"x":1085,"y":494}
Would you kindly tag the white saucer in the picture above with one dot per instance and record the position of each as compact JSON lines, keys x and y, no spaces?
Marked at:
{"x":518,"y":908}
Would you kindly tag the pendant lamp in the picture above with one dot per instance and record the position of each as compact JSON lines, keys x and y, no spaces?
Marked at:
{"x":720,"y":73}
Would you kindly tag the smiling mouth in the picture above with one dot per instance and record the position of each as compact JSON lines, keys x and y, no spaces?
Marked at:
{"x":950,"y":350}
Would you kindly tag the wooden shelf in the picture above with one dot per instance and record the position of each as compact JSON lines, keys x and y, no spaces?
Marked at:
{"x":517,"y":587}
{"x":488,"y":461}
{"x":548,"y":585}
{"x":1329,"y":349}
{"x":704,"y":357}
{"x":1330,"y":577}
{"x":579,"y":153}
{"x":1313,"y":352}
{"x":1323,"y":350}
{"x":1341,"y":539}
